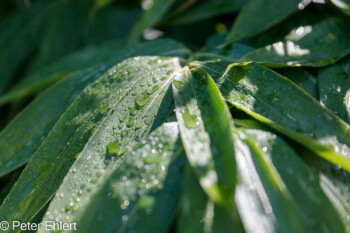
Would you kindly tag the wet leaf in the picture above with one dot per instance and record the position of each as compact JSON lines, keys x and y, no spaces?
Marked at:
{"x":106,"y":55}
{"x":334,"y":86}
{"x":22,"y":137}
{"x":200,"y":214}
{"x":143,"y":185}
{"x":205,"y":128}
{"x":102,"y":114}
{"x":303,"y":79}
{"x":279,"y":103}
{"x":312,"y":205}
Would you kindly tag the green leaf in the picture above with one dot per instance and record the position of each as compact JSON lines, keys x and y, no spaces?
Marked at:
{"x":63,"y":32}
{"x":143,"y":185}
{"x":207,"y":9}
{"x":344,"y":5}
{"x":106,"y":55}
{"x":102,"y":3}
{"x":319,"y":45}
{"x":200,"y":214}
{"x":205,"y":128}
{"x":279,"y":103}
{"x":19,"y":39}
{"x":302,"y":78}
{"x":153,"y":12}
{"x":21,"y":138}
{"x":335,"y":184}
{"x":316,"y":211}
{"x":230,"y":53}
{"x":334,"y":84}
{"x":261,"y":196}
{"x":258,"y":15}
{"x":310,"y":16}
{"x":104,"y":113}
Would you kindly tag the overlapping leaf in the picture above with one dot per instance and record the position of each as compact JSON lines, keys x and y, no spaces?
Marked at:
{"x":119,"y":108}
{"x":19,"y":38}
{"x":231,"y":53}
{"x":21,"y":138}
{"x":154,"y":11}
{"x":205,"y":127}
{"x":315,"y":46}
{"x":140,"y":193}
{"x":334,"y":86}
{"x":303,"y":79}
{"x":258,"y":15}
{"x":200,"y":214}
{"x":106,"y":55}
{"x":279,"y":103}
{"x":273,"y":178}
{"x":205,"y":9}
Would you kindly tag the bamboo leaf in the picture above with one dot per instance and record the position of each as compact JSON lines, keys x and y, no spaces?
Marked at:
{"x":106,"y":55}
{"x":334,"y":84}
{"x":200,"y":214}
{"x":205,"y":128}
{"x":153,"y":12}
{"x":231,"y":53}
{"x":260,"y":193}
{"x":120,"y":108}
{"x":21,"y":32}
{"x":315,"y":46}
{"x":316,"y":211}
{"x":207,"y":9}
{"x":303,"y":79}
{"x":22,"y":137}
{"x":259,"y":15}
{"x":335,"y":184}
{"x":267,"y":96}
{"x":143,"y":185}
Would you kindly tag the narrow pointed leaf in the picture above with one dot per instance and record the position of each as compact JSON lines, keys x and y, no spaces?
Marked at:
{"x":106,"y":55}
{"x":260,"y":193}
{"x":316,"y":211}
{"x":205,"y":127}
{"x":21,"y":138}
{"x":335,"y":184}
{"x":334,"y":86}
{"x":19,"y":38}
{"x":118,"y":108}
{"x":279,"y":103}
{"x":315,"y":46}
{"x":36,"y":121}
{"x":258,"y":15}
{"x":153,"y":12}
{"x":208,"y":8}
{"x":200,"y":214}
{"x":231,"y":53}
{"x":303,"y":79}
{"x":140,"y":193}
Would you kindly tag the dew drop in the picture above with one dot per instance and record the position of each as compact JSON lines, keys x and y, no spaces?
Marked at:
{"x":191,"y":121}
{"x":178,"y":84}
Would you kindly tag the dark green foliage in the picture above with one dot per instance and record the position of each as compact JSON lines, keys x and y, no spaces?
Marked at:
{"x":237,"y":120}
